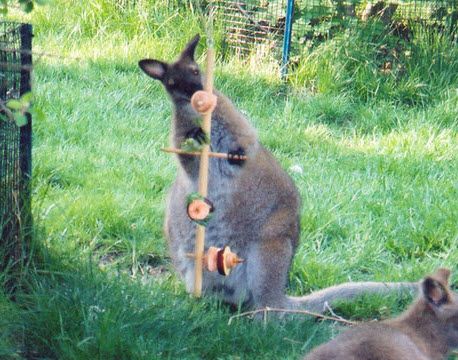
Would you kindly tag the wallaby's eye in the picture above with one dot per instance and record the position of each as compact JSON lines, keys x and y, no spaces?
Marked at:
{"x":195,"y":72}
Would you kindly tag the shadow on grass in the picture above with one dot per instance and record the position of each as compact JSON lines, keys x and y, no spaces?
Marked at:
{"x":72,"y":310}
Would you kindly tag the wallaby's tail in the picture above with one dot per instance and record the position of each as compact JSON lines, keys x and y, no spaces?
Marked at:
{"x":318,"y":300}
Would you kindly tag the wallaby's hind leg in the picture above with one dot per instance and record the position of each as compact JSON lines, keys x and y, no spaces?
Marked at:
{"x":269,"y":259}
{"x":267,"y":270}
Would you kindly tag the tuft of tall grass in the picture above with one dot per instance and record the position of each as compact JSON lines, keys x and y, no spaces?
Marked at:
{"x":119,"y":31}
{"x":368,"y":63}
{"x":11,"y":324}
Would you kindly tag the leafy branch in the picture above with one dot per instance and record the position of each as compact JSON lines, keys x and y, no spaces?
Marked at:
{"x":26,"y":5}
{"x":16,"y":109}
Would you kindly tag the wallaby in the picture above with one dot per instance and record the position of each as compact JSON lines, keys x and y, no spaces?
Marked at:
{"x":428,"y":330}
{"x":256,"y":204}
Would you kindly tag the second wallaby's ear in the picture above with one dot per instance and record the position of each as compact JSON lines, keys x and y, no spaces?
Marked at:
{"x":442,"y":274}
{"x":154,"y":68}
{"x":189,"y":50}
{"x":434,"y":291}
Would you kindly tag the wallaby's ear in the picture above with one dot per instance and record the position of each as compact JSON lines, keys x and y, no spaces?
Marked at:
{"x":154,"y":68}
{"x":434,"y":291}
{"x":442,"y":274}
{"x":189,"y":50}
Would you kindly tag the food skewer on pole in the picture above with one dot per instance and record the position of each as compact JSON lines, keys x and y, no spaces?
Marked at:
{"x":203,"y":168}
{"x":210,"y":154}
{"x":199,"y":208}
{"x":219,"y":259}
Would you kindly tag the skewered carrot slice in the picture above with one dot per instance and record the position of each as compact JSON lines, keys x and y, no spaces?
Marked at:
{"x":226,"y":260}
{"x":199,"y":209}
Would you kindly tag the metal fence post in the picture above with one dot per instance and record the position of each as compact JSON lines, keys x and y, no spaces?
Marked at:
{"x":287,"y":38}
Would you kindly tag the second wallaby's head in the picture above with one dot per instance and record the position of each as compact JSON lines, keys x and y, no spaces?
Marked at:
{"x":443,"y":303}
{"x":181,"y":78}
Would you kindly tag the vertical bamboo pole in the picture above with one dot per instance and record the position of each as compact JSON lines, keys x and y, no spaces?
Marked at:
{"x":203,"y":175}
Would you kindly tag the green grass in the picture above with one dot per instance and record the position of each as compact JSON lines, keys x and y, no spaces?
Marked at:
{"x":374,"y":158}
{"x":92,"y":315}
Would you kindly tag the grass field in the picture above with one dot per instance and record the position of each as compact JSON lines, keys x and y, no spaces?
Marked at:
{"x":373,"y":155}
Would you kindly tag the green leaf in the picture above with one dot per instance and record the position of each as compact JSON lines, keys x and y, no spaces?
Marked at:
{"x":193,"y":196}
{"x":27,"y":7}
{"x":205,"y":221}
{"x":198,"y":121}
{"x":20,"y":119}
{"x":14,"y":104}
{"x":27,"y":98}
{"x":191,"y":145}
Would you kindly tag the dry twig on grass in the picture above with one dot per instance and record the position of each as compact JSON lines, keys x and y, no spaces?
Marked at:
{"x":289,"y":311}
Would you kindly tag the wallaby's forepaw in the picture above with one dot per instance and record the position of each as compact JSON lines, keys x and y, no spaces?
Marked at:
{"x":234,"y":157}
{"x":197,"y":134}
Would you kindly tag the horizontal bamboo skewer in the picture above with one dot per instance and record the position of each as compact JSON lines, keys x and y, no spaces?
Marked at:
{"x":198,"y":153}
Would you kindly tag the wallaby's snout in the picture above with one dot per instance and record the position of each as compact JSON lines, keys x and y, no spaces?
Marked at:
{"x":181,"y":78}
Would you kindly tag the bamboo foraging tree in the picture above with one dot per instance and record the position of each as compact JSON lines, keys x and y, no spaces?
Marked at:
{"x":199,"y":207}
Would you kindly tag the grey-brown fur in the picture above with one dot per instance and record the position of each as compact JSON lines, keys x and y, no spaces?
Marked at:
{"x":256,"y":203}
{"x":428,"y":330}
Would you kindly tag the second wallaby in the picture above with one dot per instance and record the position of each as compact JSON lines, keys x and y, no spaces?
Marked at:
{"x":428,"y":330}
{"x":256,"y":204}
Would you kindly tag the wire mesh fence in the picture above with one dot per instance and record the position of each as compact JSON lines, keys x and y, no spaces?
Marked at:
{"x":15,"y":141}
{"x":251,"y":24}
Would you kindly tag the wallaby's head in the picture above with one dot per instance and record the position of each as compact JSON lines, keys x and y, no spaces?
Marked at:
{"x":181,"y":78}
{"x":443,"y":302}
